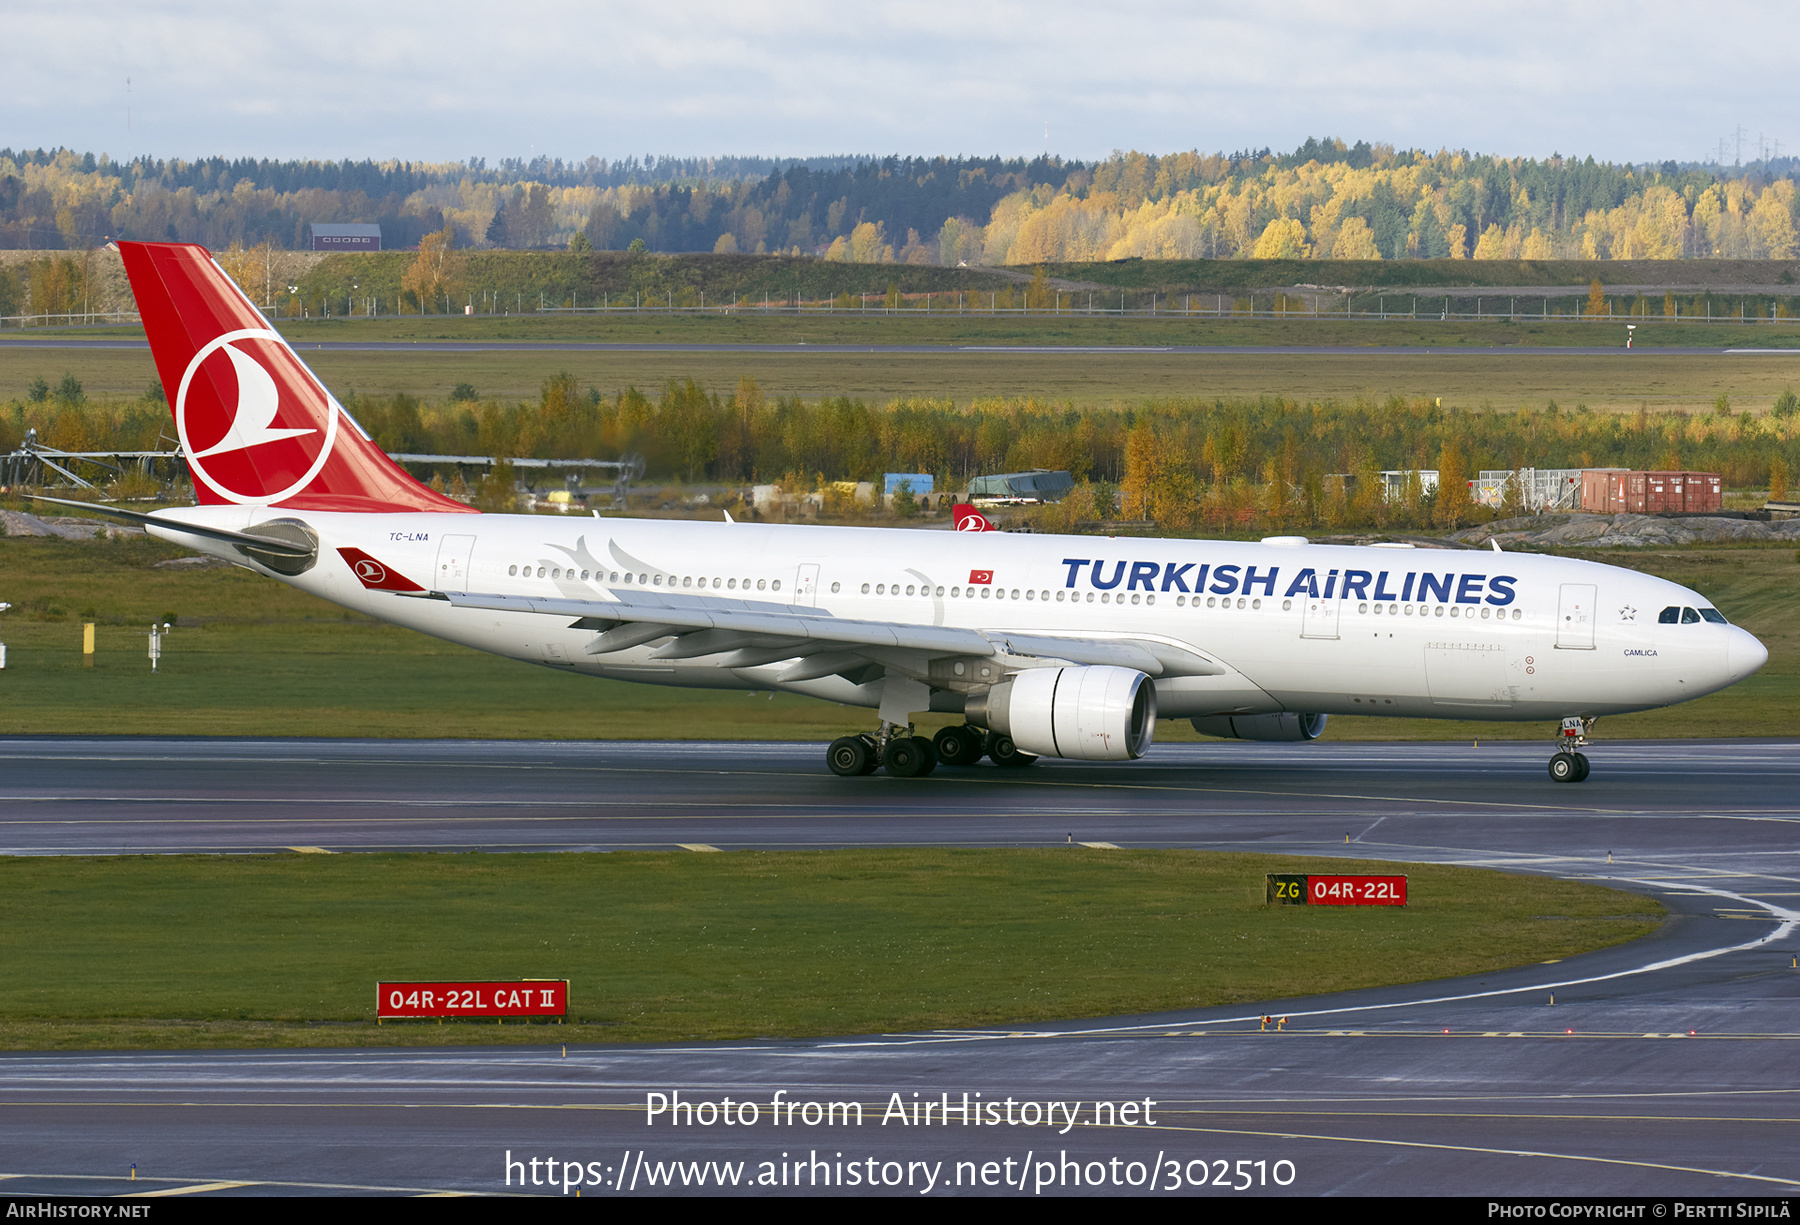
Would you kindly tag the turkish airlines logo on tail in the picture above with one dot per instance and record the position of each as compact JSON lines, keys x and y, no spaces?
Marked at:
{"x":255,"y":426}
{"x":968,"y":519}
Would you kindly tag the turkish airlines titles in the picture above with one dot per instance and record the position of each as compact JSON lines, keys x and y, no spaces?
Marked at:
{"x":1424,"y":585}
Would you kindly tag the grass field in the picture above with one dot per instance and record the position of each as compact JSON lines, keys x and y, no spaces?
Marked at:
{"x":250,"y":656}
{"x":285,"y":951}
{"x":1506,"y":378}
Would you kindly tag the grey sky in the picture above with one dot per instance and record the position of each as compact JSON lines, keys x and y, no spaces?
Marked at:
{"x":452,"y":79}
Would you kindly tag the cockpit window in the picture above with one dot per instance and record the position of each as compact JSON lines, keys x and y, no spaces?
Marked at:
{"x":1714,"y":615}
{"x":1668,"y":616}
{"x":1689,"y":617}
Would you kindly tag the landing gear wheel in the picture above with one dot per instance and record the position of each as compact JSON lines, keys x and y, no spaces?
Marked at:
{"x":849,"y":756}
{"x":909,"y":757}
{"x":1581,"y":763}
{"x":1003,"y":752}
{"x":1567,"y":768}
{"x":958,"y":746}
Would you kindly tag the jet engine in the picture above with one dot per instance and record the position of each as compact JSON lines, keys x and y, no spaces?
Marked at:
{"x":1284,"y":726}
{"x":1085,"y":713}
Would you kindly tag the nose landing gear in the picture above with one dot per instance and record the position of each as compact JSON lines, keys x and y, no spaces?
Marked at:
{"x":1569,"y":764}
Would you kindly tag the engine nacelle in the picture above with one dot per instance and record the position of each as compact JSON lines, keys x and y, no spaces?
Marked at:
{"x":1088,"y":714}
{"x":1284,"y":726}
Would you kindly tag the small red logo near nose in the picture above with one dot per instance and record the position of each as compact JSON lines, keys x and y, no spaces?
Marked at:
{"x":373,"y":575}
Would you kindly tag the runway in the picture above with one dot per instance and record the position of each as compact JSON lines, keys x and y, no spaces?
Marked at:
{"x":1665,"y":1067}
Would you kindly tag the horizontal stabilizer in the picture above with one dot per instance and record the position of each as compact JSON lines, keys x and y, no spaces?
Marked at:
{"x":263,"y":544}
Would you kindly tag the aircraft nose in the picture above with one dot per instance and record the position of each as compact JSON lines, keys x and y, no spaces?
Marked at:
{"x":1744,"y":654}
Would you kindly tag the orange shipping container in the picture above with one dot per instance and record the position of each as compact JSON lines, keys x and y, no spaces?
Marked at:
{"x":1615,"y":491}
{"x":1704,"y":492}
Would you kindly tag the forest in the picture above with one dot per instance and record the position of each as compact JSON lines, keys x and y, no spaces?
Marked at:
{"x":1222,"y":465}
{"x":1326,"y":200}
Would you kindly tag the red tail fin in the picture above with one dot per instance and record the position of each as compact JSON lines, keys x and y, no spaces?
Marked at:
{"x":968,"y":519}
{"x":257,"y":427}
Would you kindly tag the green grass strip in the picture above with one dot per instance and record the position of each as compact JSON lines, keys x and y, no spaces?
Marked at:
{"x":286,"y":950}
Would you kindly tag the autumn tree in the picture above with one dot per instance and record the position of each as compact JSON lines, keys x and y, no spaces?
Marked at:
{"x":1452,"y":505}
{"x":253,"y":268}
{"x":1596,"y":303}
{"x":1282,"y":238}
{"x":1159,"y":482}
{"x":438,"y":271}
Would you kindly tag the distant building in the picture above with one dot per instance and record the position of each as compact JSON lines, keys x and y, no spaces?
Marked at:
{"x":917,"y":482}
{"x":346,"y":237}
{"x":1020,"y":488}
{"x":1394,"y":482}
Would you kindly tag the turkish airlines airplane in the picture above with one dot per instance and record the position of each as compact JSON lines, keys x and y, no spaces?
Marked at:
{"x":1048,"y":646}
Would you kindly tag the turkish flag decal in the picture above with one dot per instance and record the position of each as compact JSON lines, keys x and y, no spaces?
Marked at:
{"x":980,"y":578}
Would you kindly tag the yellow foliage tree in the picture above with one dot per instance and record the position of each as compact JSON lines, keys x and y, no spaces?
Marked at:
{"x":1452,"y":506}
{"x":1282,"y":238}
{"x":438,"y":271}
{"x":1355,"y":240}
{"x":868,"y":244}
{"x":1596,"y":303}
{"x":252,"y":268}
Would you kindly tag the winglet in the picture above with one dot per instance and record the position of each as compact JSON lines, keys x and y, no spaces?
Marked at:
{"x":728,"y":517}
{"x":1495,"y":543}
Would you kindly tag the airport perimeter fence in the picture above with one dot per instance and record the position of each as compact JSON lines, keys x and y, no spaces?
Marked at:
{"x":76,"y":319}
{"x":1769,"y":310}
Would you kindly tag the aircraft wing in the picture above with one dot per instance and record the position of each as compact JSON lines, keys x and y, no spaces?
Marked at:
{"x":756,"y":632}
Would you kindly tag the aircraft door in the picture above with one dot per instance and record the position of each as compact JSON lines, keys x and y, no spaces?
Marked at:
{"x":452,"y":573}
{"x":806,"y":584}
{"x":1320,"y":617}
{"x":1575,"y":617}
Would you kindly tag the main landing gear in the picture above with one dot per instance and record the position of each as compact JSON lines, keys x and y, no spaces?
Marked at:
{"x":1569,"y":764}
{"x":905,"y":755}
{"x":896,"y":749}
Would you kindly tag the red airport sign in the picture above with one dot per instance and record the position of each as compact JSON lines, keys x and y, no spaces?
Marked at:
{"x":1294,"y":889}
{"x":526,"y":997}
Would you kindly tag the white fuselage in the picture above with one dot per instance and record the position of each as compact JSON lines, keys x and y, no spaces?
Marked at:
{"x":1292,"y":626}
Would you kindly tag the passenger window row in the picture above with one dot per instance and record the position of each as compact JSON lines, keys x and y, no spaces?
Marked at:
{"x":647,"y":580}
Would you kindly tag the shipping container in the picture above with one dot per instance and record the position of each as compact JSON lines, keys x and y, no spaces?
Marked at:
{"x":1616,"y":491}
{"x":1704,"y":492}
